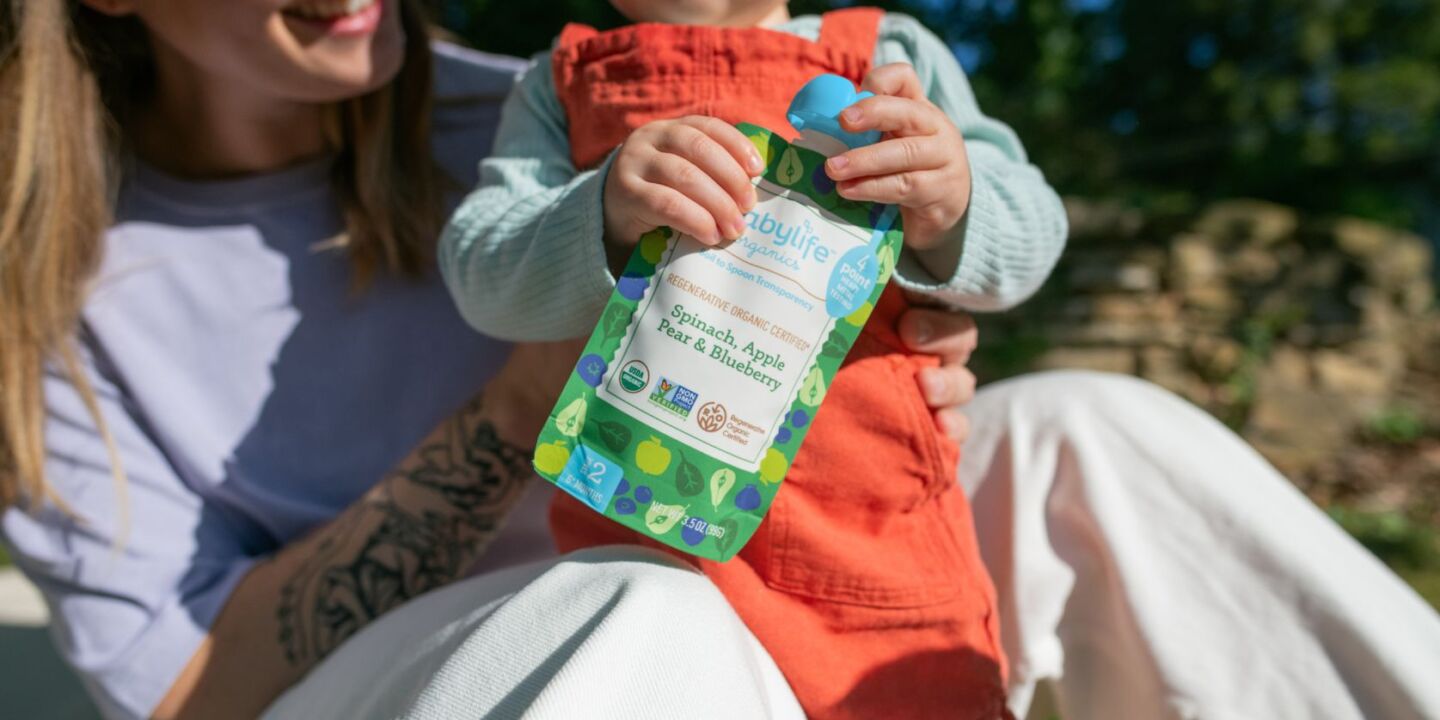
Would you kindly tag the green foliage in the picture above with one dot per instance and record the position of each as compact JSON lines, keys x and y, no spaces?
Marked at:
{"x":4,"y":557}
{"x":1403,"y":544}
{"x":521,"y":28}
{"x":1410,"y":548}
{"x":1397,"y":425}
{"x":999,"y":359}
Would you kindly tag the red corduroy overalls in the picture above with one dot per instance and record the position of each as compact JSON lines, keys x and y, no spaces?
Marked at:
{"x":864,"y":582}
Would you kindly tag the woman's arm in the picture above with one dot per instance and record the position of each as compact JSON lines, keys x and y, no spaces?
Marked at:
{"x":421,"y":527}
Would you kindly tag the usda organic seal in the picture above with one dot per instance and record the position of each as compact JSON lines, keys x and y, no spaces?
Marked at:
{"x":634,"y":377}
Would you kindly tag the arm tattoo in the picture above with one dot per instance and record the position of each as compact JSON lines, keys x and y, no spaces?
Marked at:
{"x":456,"y":489}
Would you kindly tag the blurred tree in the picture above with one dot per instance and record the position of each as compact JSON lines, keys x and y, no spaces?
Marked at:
{"x":1329,"y":105}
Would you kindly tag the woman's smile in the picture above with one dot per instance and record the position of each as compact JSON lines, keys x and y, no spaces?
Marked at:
{"x":336,"y":17}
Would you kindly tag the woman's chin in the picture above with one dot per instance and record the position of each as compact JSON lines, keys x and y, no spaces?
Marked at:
{"x":335,"y":67}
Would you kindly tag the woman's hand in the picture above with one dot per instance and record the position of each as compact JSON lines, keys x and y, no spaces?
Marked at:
{"x":952,"y":336}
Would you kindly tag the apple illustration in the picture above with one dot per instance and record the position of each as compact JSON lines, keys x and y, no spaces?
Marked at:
{"x":652,"y":246}
{"x":860,"y":315}
{"x":774,"y":466}
{"x":550,"y":458}
{"x":652,"y":457}
{"x":762,"y":146}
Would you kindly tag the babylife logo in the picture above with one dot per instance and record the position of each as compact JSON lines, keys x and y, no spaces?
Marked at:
{"x":799,"y":239}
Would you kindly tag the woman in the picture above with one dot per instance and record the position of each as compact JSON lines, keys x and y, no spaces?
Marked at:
{"x":201,"y":393}
{"x":223,"y":446}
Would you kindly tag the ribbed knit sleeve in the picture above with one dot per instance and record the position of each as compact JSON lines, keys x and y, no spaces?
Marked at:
{"x":1014,"y":229}
{"x":524,"y":254}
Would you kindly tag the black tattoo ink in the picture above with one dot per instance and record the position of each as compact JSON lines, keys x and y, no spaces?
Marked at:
{"x":384,"y":552}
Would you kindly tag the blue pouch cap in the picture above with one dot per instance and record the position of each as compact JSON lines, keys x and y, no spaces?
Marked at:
{"x":817,"y":107}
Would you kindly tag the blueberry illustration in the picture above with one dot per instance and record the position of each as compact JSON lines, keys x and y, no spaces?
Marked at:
{"x":821,"y":180}
{"x":799,"y":418}
{"x":625,"y":506}
{"x":591,"y":368}
{"x":783,"y":436}
{"x":623,"y":487}
{"x":632,"y":287}
{"x":691,"y":536}
{"x":748,"y":499}
{"x":642,"y":493}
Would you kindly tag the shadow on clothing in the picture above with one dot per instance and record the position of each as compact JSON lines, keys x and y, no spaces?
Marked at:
{"x":878,"y":688}
{"x":35,"y":682}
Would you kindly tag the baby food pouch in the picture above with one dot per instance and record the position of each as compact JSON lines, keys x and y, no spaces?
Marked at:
{"x":697,"y":387}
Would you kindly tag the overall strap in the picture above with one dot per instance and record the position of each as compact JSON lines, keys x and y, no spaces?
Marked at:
{"x":573,"y":33}
{"x":853,"y":30}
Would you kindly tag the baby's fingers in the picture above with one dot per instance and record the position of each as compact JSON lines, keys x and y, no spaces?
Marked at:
{"x":897,"y":79}
{"x":664,"y":205}
{"x":730,"y":138}
{"x":897,"y":115}
{"x":702,"y":150}
{"x":916,"y":188}
{"x":897,"y":155}
{"x":675,"y":172}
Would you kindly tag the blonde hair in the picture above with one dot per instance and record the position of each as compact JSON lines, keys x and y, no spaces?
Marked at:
{"x":67,"y":74}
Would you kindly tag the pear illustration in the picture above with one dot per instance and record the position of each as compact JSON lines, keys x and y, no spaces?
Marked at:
{"x":885,"y":257}
{"x":661,"y":518}
{"x":720,"y":483}
{"x":812,"y":390}
{"x":572,"y":418}
{"x":790,"y":168}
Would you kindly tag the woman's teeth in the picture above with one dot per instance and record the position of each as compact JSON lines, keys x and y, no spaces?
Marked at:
{"x":325,"y":9}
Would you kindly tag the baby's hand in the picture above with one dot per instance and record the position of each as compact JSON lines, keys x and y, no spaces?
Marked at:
{"x":691,"y":174}
{"x":920,"y":164}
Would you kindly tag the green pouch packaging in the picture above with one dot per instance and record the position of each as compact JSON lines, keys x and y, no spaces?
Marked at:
{"x":698,"y":386}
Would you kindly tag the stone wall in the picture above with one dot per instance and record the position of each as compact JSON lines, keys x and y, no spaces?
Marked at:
{"x":1296,"y":331}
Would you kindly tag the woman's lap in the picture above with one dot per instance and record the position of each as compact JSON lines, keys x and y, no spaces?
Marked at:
{"x":619,"y":632}
{"x":1147,"y":560}
{"x":1154,"y":565}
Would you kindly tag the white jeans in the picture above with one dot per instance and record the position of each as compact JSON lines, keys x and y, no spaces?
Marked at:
{"x":1155,"y":566}
{"x":1146,"y":559}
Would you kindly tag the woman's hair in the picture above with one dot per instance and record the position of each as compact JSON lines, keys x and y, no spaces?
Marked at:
{"x":68,"y":77}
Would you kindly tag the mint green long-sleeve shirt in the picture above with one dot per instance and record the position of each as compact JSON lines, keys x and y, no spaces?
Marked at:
{"x":524,"y":255}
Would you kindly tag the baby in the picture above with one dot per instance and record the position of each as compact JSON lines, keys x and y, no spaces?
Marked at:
{"x":865,"y":582}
